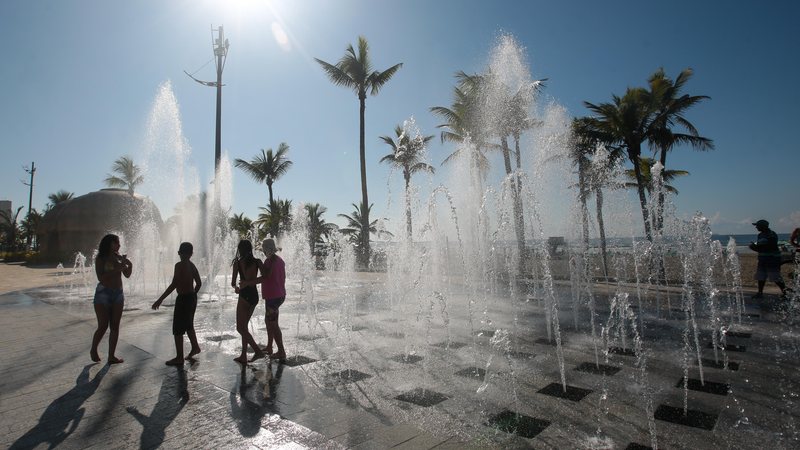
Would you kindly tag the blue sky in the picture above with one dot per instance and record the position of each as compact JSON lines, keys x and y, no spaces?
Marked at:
{"x":80,"y":79}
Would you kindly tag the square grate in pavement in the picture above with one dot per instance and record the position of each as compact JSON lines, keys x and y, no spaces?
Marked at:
{"x":733,"y":366}
{"x":476,"y":373}
{"x":485,"y":333}
{"x":521,"y":355}
{"x":220,"y":338}
{"x":692,"y":418}
{"x":309,"y":337}
{"x":297,"y":360}
{"x":729,"y":347}
{"x":622,"y":351}
{"x":519,"y":424}
{"x":739,"y":334}
{"x":406,"y":359}
{"x":710,"y":387}
{"x":349,"y":376}
{"x":572,"y":393}
{"x":635,"y":446}
{"x":450,"y":345}
{"x":422,"y":397}
{"x":597,"y":369}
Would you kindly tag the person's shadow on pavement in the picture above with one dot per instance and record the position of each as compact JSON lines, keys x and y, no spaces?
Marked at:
{"x":62,"y":416}
{"x":172,"y":397}
{"x":255,"y":398}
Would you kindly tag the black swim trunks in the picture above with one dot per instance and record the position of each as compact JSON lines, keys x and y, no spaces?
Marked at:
{"x":249,"y":294}
{"x":182,"y":320}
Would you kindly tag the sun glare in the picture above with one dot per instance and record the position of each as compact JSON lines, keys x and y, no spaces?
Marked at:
{"x":281,"y":37}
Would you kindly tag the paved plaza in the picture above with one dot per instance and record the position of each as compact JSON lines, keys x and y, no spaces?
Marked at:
{"x":373,"y":386}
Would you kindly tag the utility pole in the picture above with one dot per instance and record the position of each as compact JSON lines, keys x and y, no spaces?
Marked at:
{"x":220,"y":45}
{"x":31,"y":171}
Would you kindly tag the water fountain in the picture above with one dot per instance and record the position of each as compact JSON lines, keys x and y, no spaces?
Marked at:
{"x":468,"y":333}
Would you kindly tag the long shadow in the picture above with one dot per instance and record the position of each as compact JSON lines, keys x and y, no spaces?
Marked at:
{"x":172,"y":397}
{"x":62,"y":417}
{"x":254,"y":398}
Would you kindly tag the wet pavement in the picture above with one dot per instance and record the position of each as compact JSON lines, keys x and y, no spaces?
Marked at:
{"x":361,"y":374}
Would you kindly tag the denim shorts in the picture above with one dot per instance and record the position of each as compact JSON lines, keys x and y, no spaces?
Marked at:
{"x":108,"y":296}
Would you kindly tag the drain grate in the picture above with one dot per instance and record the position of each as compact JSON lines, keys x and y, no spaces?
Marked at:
{"x":733,"y":366}
{"x":692,"y":418}
{"x":521,"y":355}
{"x":728,"y":347}
{"x":635,"y":446}
{"x":739,"y":334}
{"x":622,"y":351}
{"x":710,"y":387}
{"x":475,"y":373}
{"x":450,"y":345}
{"x":349,"y":376}
{"x":422,"y":397}
{"x":519,"y":424}
{"x":308,"y":337}
{"x":598,"y":369}
{"x":407,"y":359}
{"x":572,"y":393}
{"x":297,"y":360}
{"x":221,"y":337}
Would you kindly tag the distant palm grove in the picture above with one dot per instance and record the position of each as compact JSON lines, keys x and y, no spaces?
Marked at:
{"x":624,"y":130}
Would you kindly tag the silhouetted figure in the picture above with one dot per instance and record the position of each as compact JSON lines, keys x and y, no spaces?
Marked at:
{"x":247,"y":267}
{"x":769,"y":258}
{"x":108,"y":296}
{"x":186,"y":280}
{"x":273,"y":290}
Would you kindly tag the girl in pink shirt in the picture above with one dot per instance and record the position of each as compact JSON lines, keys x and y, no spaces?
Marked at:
{"x":273,"y":291}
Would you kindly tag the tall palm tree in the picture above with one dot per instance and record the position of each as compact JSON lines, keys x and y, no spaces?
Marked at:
{"x":460,"y":126}
{"x":240,"y":224}
{"x":267,"y":167}
{"x":646,"y":165}
{"x":318,"y":228}
{"x":407,"y":155}
{"x":354,"y":71}
{"x":625,"y":122}
{"x":671,"y":104}
{"x":28,"y":226}
{"x":128,"y":175}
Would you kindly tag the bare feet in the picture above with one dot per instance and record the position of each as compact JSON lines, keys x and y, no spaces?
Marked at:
{"x":267,"y":350}
{"x":192,"y":353}
{"x":281,"y":356}
{"x":258,"y":355}
{"x":115,"y":360}
{"x":175,"y":362}
{"x":241,"y":359}
{"x":95,"y":357}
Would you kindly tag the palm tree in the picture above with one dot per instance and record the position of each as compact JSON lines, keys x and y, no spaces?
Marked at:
{"x":646,"y":165}
{"x":9,"y":229}
{"x":56,"y":198}
{"x":28,"y":227}
{"x":318,"y":228}
{"x":625,"y":122}
{"x":129,"y":175}
{"x":354,"y":221}
{"x":354,"y":71}
{"x":267,"y":167}
{"x":670,"y":109}
{"x":277,"y":217}
{"x":407,"y":155}
{"x":240,"y":224}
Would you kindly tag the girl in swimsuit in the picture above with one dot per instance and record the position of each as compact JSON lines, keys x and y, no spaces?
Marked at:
{"x":108,"y":297}
{"x":246,"y":267}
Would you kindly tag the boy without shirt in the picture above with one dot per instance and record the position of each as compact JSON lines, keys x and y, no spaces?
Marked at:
{"x":186,"y":280}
